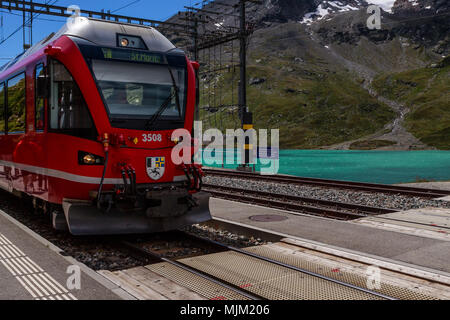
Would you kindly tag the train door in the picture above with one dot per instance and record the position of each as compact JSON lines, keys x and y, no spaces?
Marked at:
{"x":22,"y":138}
{"x":25,"y":131}
{"x":36,"y":124}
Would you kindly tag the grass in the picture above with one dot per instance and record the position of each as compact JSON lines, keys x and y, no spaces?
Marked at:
{"x":311,"y":105}
{"x":315,"y":100}
{"x":426,"y":92}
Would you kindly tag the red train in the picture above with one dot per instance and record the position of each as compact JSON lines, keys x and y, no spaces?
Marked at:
{"x":86,"y":123}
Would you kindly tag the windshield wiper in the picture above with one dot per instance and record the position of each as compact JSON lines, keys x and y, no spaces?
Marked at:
{"x":162,"y":108}
{"x":149,"y":124}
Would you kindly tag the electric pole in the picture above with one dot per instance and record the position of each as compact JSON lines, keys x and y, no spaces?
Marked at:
{"x":24,"y":27}
{"x":197,"y":81}
{"x":242,"y":61}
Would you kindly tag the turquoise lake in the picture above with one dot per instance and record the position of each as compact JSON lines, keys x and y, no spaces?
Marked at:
{"x":365,"y":166}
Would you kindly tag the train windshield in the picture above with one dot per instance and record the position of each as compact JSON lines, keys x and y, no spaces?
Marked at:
{"x":135,"y":92}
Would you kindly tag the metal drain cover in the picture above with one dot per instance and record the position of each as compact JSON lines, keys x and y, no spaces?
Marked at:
{"x":268,"y":218}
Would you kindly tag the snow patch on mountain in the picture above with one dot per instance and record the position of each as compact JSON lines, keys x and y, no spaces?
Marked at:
{"x":386,"y":5}
{"x":325,"y":8}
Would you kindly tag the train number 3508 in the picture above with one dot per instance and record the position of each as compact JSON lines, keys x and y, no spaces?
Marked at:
{"x":151,"y":137}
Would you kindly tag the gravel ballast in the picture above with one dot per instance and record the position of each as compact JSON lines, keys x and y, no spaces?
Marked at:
{"x":373,"y":199}
{"x":102,"y":252}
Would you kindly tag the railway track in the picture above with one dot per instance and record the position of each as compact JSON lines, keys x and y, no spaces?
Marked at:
{"x":311,"y":206}
{"x":250,"y":291}
{"x":248,"y":273}
{"x":359,"y":186}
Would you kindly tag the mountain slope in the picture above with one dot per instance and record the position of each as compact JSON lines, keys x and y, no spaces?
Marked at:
{"x":426,"y":90}
{"x":316,"y":72}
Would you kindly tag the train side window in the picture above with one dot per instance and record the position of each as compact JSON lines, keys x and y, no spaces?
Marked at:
{"x":2,"y":108}
{"x":39,"y":101}
{"x":16,"y":104}
{"x":69,"y":113}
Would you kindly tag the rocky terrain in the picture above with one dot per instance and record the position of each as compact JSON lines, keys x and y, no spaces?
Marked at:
{"x":320,"y":75}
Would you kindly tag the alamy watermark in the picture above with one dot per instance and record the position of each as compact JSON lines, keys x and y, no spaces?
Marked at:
{"x":212,"y":147}
{"x":373,"y":274}
{"x":374,"y":20}
{"x":75,"y":18}
{"x":74,"y":280}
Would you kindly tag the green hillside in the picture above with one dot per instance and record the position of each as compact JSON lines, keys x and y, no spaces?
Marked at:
{"x":320,"y":110}
{"x":299,"y":90}
{"x":313,"y":85}
{"x":426,"y":92}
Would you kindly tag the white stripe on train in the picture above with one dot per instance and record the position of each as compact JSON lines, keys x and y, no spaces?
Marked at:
{"x":69,"y":176}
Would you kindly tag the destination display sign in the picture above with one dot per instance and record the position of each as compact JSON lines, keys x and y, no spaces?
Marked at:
{"x":134,"y":56}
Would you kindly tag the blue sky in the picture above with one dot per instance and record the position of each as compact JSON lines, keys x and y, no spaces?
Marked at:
{"x":151,"y":9}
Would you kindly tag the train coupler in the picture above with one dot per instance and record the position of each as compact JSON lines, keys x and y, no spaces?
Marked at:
{"x":194,"y":175}
{"x":129,"y":180}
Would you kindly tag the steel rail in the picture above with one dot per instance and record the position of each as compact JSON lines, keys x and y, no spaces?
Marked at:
{"x":192,"y":270}
{"x":329,"y":203}
{"x":285,"y":265}
{"x":373,"y":187}
{"x":289,"y":206}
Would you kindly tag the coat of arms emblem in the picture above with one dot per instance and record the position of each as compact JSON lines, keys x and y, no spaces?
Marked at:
{"x":156,"y":167}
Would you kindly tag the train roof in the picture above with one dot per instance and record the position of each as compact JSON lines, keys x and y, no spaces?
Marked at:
{"x":101,"y":33}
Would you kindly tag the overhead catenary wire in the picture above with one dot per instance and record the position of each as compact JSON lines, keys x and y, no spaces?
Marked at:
{"x":23,"y":25}
{"x":1,"y":26}
{"x":219,"y":65}
{"x":125,"y":6}
{"x":42,"y":19}
{"x":51,"y":9}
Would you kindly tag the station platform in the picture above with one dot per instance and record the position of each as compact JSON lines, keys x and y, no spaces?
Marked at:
{"x":32,"y":269}
{"x":411,"y":242}
{"x":443,"y":185}
{"x":438,"y":185}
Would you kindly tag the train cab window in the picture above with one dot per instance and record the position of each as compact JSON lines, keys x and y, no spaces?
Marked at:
{"x":39,"y":101}
{"x":134,"y":93}
{"x":69,"y":113}
{"x":2,"y":108}
{"x":16,"y":104}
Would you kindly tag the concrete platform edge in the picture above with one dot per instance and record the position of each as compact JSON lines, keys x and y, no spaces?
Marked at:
{"x":394,"y":265}
{"x":88,"y":271}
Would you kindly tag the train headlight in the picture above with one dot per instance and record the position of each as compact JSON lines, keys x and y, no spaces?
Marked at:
{"x":177,"y":140}
{"x":124,"y":42}
{"x":127,"y":41}
{"x":89,"y":159}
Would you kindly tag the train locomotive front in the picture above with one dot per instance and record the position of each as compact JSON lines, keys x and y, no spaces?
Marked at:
{"x":112,"y":95}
